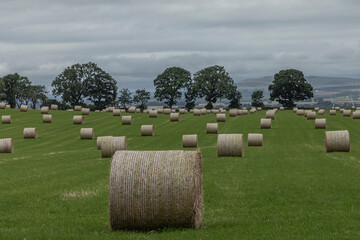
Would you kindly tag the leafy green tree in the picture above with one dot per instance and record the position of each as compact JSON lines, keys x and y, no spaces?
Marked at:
{"x":13,"y":86}
{"x":168,"y":85}
{"x":190,"y":96}
{"x":37,"y":94}
{"x":213,"y":83}
{"x":256,"y":98}
{"x":141,"y":98}
{"x":125,"y":98}
{"x":234,"y":96}
{"x":290,"y":86}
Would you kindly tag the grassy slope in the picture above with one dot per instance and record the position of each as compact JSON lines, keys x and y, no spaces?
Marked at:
{"x":56,"y":186}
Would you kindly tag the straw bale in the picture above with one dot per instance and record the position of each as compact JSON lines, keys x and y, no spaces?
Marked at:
{"x":44,"y":110}
{"x":332,"y":112}
{"x":252,"y":111}
{"x":78,"y":119}
{"x":160,"y":110}
{"x":346,"y":113}
{"x":320,"y":123}
{"x":182,"y":111}
{"x":8,"y":106}
{"x":24,"y":108}
{"x":356,"y":114}
{"x":138,"y":110}
{"x":214,"y":110}
{"x":110,"y":109}
{"x":167,"y":110}
{"x":190,"y":141}
{"x":30,"y":133}
{"x":174,"y":117}
{"x":146,"y":111}
{"x":321,"y":111}
{"x":116,"y":112}
{"x":282,"y":108}
{"x":110,"y":145}
{"x":212,"y":128}
{"x":6,"y":145}
{"x":191,"y":110}
{"x":220,"y":117}
{"x":233,"y":112}
{"x":126,"y":120}
{"x":132,"y":109}
{"x":203,"y":111}
{"x":122,"y":110}
{"x":316,"y":109}
{"x":77,"y":108}
{"x":2,"y":105}
{"x":197,"y":112}
{"x":99,"y":140}
{"x":155,"y":189}
{"x":337,"y":108}
{"x":244,"y":112}
{"x":342,"y":110}
{"x":86,"y":133}
{"x":97,"y":111}
{"x":300,"y":112}
{"x":255,"y":139}
{"x":230,"y":145}
{"x":147,"y":130}
{"x":47,"y":118}
{"x":337,"y":141}
{"x":239,"y":112}
{"x":311,"y":115}
{"x":6,"y":119}
{"x":295,"y":109}
{"x":265,"y":123}
{"x":153,"y":114}
{"x":270,"y":114}
{"x":70,"y":110}
{"x":258,"y":108}
{"x":85,"y":111}
{"x":54,"y":107}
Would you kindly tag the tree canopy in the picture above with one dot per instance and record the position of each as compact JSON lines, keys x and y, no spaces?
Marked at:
{"x":289,"y":86}
{"x":14,"y":88}
{"x":235,"y":97}
{"x":256,"y":98}
{"x":141,"y":98}
{"x":125,"y":98}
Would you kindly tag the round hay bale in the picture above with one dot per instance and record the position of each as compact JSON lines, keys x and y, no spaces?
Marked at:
{"x":220,"y":117}
{"x":47,"y":118}
{"x":8,"y":106}
{"x":97,"y":111}
{"x":295,"y":109}
{"x":54,"y":107}
{"x":126,"y":120}
{"x":320,"y":123}
{"x":122,"y":110}
{"x":222,"y":111}
{"x":321,"y":111}
{"x":270,"y":114}
{"x":77,"y":108}
{"x":167,"y":110}
{"x":160,"y":111}
{"x":78,"y":119}
{"x":85,"y":111}
{"x":337,"y":141}
{"x":337,"y":108}
{"x":230,"y":145}
{"x":214,"y":111}
{"x":239,"y":112}
{"x":233,"y":112}
{"x":110,"y":145}
{"x":252,"y":111}
{"x":316,"y":109}
{"x":146,"y":111}
{"x":258,"y":108}
{"x":203,"y":111}
{"x":110,"y":109}
{"x":282,"y":108}
{"x":197,"y":112}
{"x":190,"y":141}
{"x":173,"y":111}
{"x":212,"y":128}
{"x":182,"y":111}
{"x":30,"y":133}
{"x":44,"y":110}
{"x":265,"y":123}
{"x":6,"y":119}
{"x":138,"y":110}
{"x":147,"y":130}
{"x":342,"y":110}
{"x":311,"y":115}
{"x":255,"y":139}
{"x":332,"y":112}
{"x":6,"y":145}
{"x":346,"y":113}
{"x":24,"y":108}
{"x":244,"y":112}
{"x":300,"y":112}
{"x":70,"y":110}
{"x":116,"y":112}
{"x":155,"y":189}
{"x":99,"y":140}
{"x":357,"y":108}
{"x":153,"y":114}
{"x":174,"y":117}
{"x":2,"y":105}
{"x":192,"y":110}
{"x":356,"y":114}
{"x":132,"y":110}
{"x":86,"y":133}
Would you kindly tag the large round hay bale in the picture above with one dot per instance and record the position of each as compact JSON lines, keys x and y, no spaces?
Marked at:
{"x":255,"y":139}
{"x":356,"y":114}
{"x":99,"y":140}
{"x":265,"y":123}
{"x":233,"y":112}
{"x":203,"y":111}
{"x":77,"y":108}
{"x":220,"y":117}
{"x":182,"y":111}
{"x":332,"y":112}
{"x":126,"y":120}
{"x":320,"y":123}
{"x":6,"y":119}
{"x":300,"y":112}
{"x":321,"y":111}
{"x":160,"y":111}
{"x":110,"y":109}
{"x":153,"y":114}
{"x":47,"y":118}
{"x":6,"y":145}
{"x":147,"y":130}
{"x":239,"y":112}
{"x":337,"y":108}
{"x":212,"y":128}
{"x":316,"y":109}
{"x":346,"y":113}
{"x":8,"y":106}
{"x":270,"y":114}
{"x":197,"y":112}
{"x":85,"y":111}
{"x":230,"y":145}
{"x":311,"y":115}
{"x":86,"y":133}
{"x":44,"y":110}
{"x":174,"y":117}
{"x":167,"y":110}
{"x":78,"y":119}
{"x":24,"y":108}
{"x":190,"y":141}
{"x":30,"y":133}
{"x":295,"y":109}
{"x":342,"y":110}
{"x":2,"y":105}
{"x":155,"y":189}
{"x":245,"y":112}
{"x":132,"y":110}
{"x":110,"y":145}
{"x":54,"y":107}
{"x":252,"y":111}
{"x":337,"y":141}
{"x":116,"y":112}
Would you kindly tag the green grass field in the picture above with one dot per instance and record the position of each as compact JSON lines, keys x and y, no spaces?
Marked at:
{"x":56,"y":186}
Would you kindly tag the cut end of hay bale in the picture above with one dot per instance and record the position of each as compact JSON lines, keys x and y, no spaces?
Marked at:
{"x":337,"y":141}
{"x":231,"y":145}
{"x":190,"y":141}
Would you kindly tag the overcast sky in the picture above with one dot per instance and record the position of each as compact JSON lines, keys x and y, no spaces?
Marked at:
{"x":135,"y":41}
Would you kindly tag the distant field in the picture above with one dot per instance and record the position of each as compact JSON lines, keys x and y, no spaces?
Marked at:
{"x":56,"y":186}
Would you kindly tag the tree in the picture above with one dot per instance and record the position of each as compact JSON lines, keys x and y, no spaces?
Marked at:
{"x":290,"y":86}
{"x":168,"y":85}
{"x":256,"y":98}
{"x":13,"y":87}
{"x":125,"y":98}
{"x":37,"y":94}
{"x":213,"y":83}
{"x":141,"y":98}
{"x":190,"y":96}
{"x":234,"y":96}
